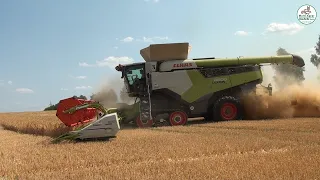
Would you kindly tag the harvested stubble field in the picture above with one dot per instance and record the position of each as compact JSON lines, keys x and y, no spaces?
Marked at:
{"x":270,"y":149}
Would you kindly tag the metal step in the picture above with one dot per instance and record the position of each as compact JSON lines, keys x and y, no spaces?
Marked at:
{"x":145,"y":107}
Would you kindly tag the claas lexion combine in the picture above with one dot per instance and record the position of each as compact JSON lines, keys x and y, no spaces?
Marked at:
{"x":169,"y":89}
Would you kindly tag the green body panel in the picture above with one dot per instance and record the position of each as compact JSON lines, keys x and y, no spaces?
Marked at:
{"x":242,"y":78}
{"x":243,"y":61}
{"x":131,"y":112}
{"x":203,"y":86}
{"x":126,"y":112}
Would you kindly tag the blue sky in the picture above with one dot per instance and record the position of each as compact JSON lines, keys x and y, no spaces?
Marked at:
{"x":55,"y":49}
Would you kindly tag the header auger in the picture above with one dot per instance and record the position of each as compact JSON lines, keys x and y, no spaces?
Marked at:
{"x":172,"y":88}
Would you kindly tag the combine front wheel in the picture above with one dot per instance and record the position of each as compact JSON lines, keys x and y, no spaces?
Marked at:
{"x":178,"y":118}
{"x":142,"y":124}
{"x":227,"y":108}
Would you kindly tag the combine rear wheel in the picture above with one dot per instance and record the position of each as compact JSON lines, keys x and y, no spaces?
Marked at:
{"x":178,"y":118}
{"x":227,"y":108}
{"x":142,"y":124}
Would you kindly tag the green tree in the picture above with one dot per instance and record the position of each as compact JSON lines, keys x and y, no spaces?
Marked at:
{"x":51,"y":107}
{"x":54,"y":106}
{"x":81,"y":97}
{"x":315,"y":58}
{"x":287,"y":74}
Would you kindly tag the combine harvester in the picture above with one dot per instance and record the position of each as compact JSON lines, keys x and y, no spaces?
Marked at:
{"x":170,"y":88}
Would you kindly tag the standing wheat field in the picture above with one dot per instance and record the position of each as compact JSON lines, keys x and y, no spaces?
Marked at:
{"x":269,"y":149}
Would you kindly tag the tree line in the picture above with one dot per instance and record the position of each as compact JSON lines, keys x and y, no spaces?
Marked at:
{"x":287,"y":74}
{"x":54,"y":106}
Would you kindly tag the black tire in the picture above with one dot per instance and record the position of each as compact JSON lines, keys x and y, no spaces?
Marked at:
{"x":209,"y":116}
{"x":227,"y":102}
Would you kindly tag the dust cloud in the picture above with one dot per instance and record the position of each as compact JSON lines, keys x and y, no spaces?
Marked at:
{"x":108,"y":92}
{"x":292,"y":99}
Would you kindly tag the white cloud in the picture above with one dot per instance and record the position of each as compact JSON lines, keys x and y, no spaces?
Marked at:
{"x":64,"y":89}
{"x":127,"y":39}
{"x":110,"y":61}
{"x":114,"y":61}
{"x":146,"y":39}
{"x":241,"y":33}
{"x":83,"y":87}
{"x":308,"y":51}
{"x":78,"y":77}
{"x":153,"y":39}
{"x":84,"y":64}
{"x":10,"y":82}
{"x":116,"y":47}
{"x":155,"y":1}
{"x":282,"y":28}
{"x":81,"y":77}
{"x":24,"y":90}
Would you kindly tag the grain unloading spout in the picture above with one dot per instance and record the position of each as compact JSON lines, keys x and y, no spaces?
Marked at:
{"x":297,"y":60}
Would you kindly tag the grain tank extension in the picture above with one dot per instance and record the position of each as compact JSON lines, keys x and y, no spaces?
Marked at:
{"x":172,"y":88}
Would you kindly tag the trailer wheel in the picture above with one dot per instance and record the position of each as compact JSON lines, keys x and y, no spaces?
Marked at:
{"x":141,"y":124}
{"x":227,"y":108}
{"x":178,"y":118}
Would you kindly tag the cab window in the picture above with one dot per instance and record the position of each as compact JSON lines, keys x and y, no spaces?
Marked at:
{"x":134,"y":73}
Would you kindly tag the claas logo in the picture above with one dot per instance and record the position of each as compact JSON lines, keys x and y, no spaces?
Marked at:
{"x":182,"y":65}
